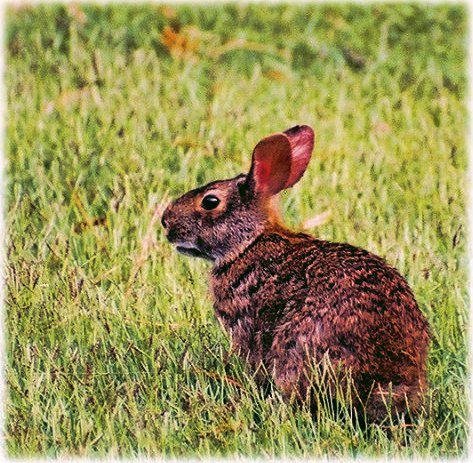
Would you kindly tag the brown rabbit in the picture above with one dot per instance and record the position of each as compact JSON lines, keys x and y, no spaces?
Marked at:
{"x":290,"y":300}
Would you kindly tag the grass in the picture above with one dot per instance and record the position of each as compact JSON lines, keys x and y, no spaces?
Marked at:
{"x":112,"y":345}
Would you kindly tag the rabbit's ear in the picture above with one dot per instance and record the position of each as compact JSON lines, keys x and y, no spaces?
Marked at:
{"x":280,"y":160}
{"x":271,"y":165}
{"x":301,"y":138}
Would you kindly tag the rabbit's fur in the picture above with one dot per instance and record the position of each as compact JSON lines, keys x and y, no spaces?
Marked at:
{"x":289,"y":300}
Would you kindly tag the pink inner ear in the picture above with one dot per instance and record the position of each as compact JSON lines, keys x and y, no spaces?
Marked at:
{"x":301,"y":138}
{"x":263,"y":171}
{"x":280,"y":160}
{"x":272,"y":164}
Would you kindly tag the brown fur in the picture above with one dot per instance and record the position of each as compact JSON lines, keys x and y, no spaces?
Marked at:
{"x":289,"y":300}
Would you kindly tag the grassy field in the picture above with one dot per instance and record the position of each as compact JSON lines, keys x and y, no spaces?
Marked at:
{"x":112,"y":345}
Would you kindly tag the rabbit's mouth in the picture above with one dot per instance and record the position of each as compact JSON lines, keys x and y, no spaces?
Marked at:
{"x":191,"y":251}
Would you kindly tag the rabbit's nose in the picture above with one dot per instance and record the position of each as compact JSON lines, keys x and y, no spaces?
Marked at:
{"x":165,"y":218}
{"x":163,"y":221}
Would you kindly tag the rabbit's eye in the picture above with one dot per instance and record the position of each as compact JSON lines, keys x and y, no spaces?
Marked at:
{"x":210,"y":202}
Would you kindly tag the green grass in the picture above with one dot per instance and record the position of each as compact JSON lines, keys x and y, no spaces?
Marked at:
{"x":112,"y":345}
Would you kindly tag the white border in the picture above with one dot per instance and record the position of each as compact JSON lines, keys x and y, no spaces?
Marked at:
{"x":3,"y":5}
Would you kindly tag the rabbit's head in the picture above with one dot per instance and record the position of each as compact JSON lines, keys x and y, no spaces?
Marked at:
{"x":213,"y":220}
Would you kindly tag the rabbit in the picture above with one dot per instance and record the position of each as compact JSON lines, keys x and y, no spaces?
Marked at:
{"x":289,"y":300}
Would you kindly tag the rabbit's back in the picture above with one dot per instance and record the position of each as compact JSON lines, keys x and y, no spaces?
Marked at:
{"x":289,"y":299}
